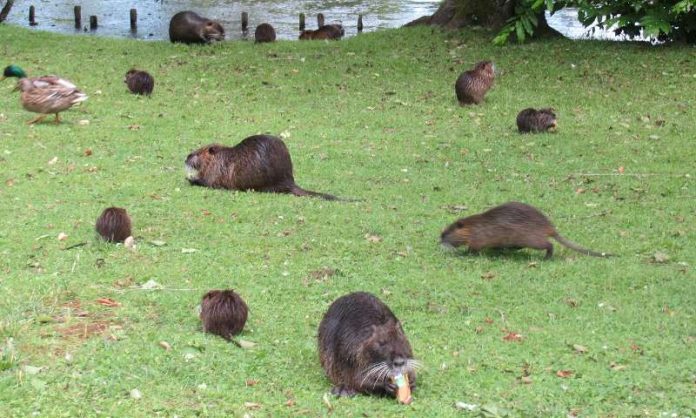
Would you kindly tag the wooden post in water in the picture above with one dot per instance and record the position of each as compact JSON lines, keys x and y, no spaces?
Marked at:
{"x":78,"y":17}
{"x":302,"y":22}
{"x":245,"y":21}
{"x":360,"y":23}
{"x":320,"y":19}
{"x":134,"y":20}
{"x":32,"y":16}
{"x":93,"y":23}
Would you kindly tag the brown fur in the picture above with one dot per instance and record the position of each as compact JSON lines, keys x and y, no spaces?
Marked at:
{"x":532,"y":120}
{"x":472,"y":85}
{"x":139,"y":82}
{"x":114,"y":224}
{"x":357,"y":334}
{"x":190,"y":28}
{"x":330,"y":32}
{"x":224,"y":313}
{"x":511,"y":225}
{"x":264,"y":33}
{"x":259,"y":162}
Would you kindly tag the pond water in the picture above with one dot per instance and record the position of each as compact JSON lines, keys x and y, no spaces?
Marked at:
{"x":154,"y":15}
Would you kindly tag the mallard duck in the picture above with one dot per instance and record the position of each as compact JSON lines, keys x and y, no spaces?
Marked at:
{"x":44,"y":95}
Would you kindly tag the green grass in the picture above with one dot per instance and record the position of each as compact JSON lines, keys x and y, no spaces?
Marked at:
{"x":372,"y":117}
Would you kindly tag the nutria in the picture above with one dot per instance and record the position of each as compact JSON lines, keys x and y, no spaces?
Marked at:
{"x":472,"y":85}
{"x":362,"y":346}
{"x":259,"y":162}
{"x":532,"y":120}
{"x":114,"y":224}
{"x":333,"y":31}
{"x":511,"y":225}
{"x":264,"y":33}
{"x":139,"y":82}
{"x":190,"y":28}
{"x":224,"y":313}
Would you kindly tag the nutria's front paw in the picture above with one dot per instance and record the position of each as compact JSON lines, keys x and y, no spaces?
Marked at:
{"x":343,"y":391}
{"x":390,"y":387}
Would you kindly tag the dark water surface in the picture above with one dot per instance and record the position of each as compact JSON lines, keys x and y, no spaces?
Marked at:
{"x":154,"y":15}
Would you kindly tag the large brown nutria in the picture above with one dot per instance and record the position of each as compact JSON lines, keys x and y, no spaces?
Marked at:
{"x":362,"y":347}
{"x":510,"y":225}
{"x":532,"y":120}
{"x":139,"y":82}
{"x":259,"y":162}
{"x":333,"y":31}
{"x":264,"y":33}
{"x":190,"y":28}
{"x":472,"y":85}
{"x":224,"y":313}
{"x":114,"y":224}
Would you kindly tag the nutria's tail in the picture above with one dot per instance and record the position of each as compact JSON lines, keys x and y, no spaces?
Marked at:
{"x":299,"y":191}
{"x":576,"y":247}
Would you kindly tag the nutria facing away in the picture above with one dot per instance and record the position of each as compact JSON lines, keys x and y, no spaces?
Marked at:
{"x":139,"y":82}
{"x":362,"y":347}
{"x":259,"y":162}
{"x":532,"y":120}
{"x":224,"y":313}
{"x":190,"y":28}
{"x":472,"y":85}
{"x":264,"y":33}
{"x":510,"y":225}
{"x":114,"y":224}
{"x":333,"y":31}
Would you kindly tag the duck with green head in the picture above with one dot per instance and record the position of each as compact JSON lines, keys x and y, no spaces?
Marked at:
{"x":44,"y":95}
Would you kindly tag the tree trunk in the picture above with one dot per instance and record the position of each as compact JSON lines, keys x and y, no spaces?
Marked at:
{"x":6,"y":10}
{"x":456,"y":14}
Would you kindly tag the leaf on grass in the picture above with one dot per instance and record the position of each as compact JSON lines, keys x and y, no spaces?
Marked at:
{"x":108,"y":302}
{"x":244,"y":344}
{"x":165,"y":345}
{"x":373,"y":238}
{"x":136,"y":394}
{"x":129,"y":243}
{"x":513,"y":336}
{"x":327,"y":402}
{"x":527,"y":380}
{"x":580,"y":349}
{"x":188,"y":250}
{"x":62,"y":236}
{"x":251,"y":382}
{"x":252,"y":405}
{"x":616,"y":367}
{"x":489,"y":275}
{"x":151,"y":284}
{"x":31,"y":369}
{"x":564,"y":373}
{"x":660,"y":257}
{"x":465,"y":406}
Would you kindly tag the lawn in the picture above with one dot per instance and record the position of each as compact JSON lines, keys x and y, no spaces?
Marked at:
{"x":372,"y":117}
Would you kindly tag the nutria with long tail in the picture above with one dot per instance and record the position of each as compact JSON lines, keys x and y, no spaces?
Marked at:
{"x":259,"y":162}
{"x":114,"y":224}
{"x":223,"y":312}
{"x":472,"y":85}
{"x":139,"y":82}
{"x":531,"y":120}
{"x":264,"y":33}
{"x":363,"y":348}
{"x":190,"y":28}
{"x":332,"y":31}
{"x":510,"y":225}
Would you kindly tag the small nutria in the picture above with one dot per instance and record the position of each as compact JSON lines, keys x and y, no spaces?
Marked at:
{"x":259,"y":162}
{"x":190,"y":28}
{"x":264,"y":33}
{"x":139,"y":82}
{"x":114,"y":224}
{"x":224,"y":313}
{"x":510,"y":225}
{"x":333,"y":31}
{"x":472,"y":85}
{"x":532,"y":120}
{"x":362,"y":347}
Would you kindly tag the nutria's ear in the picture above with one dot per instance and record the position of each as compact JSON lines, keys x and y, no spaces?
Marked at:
{"x":213,"y":149}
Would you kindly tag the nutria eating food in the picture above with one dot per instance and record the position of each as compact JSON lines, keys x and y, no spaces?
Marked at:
{"x":259,"y":162}
{"x":139,"y":82}
{"x":510,"y":225}
{"x":363,"y":348}
{"x":114,"y":224}
{"x":472,"y":85}
{"x":190,"y":28}
{"x":532,"y":120}
{"x":224,"y":313}
{"x":264,"y":33}
{"x":333,"y":31}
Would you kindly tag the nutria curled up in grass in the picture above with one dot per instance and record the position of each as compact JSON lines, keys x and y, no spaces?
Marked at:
{"x":114,"y":224}
{"x":224,"y":313}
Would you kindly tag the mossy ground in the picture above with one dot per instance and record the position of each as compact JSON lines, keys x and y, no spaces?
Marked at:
{"x":372,"y":117}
